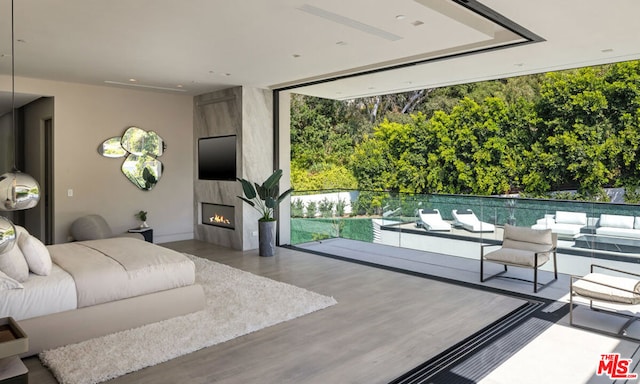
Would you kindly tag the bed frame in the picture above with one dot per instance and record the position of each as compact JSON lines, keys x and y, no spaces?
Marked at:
{"x":58,"y":329}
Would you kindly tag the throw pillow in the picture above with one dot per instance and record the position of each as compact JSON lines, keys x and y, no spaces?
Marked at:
{"x":13,"y":264}
{"x":36,"y":254}
{"x":8,"y":283}
{"x":21,"y":231}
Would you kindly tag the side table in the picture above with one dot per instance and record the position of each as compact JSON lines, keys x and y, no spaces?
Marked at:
{"x":146,"y":232}
{"x":13,"y":342}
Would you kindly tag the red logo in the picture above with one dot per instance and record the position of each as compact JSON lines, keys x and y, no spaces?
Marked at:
{"x":612,"y":365}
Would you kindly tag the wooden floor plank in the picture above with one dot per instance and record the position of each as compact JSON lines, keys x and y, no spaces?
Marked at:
{"x":384,"y":324}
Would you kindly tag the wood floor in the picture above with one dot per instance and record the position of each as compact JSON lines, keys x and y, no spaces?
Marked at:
{"x":384,"y":324}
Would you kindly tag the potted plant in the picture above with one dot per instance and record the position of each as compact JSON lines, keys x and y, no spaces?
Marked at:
{"x":264,"y":198}
{"x":142,"y":216}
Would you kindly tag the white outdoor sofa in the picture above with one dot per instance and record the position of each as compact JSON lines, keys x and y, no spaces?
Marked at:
{"x":564,"y":224}
{"x":618,"y":226}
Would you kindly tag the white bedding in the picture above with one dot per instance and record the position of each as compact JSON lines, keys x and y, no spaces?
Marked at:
{"x":95,"y":272}
{"x":118,"y":268}
{"x":41,"y":295}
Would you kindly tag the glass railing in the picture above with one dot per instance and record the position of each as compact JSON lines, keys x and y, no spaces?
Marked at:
{"x":456,"y":225}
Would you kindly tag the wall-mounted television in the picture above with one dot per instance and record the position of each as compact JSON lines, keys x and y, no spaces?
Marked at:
{"x":217,"y":158}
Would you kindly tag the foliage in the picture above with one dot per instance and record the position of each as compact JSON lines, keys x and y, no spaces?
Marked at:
{"x":569,"y":130}
{"x":312,"y":208}
{"x":341,"y":204}
{"x":141,"y":215}
{"x":326,"y":207}
{"x":264,"y":197}
{"x":297,"y":208}
{"x":330,"y":177}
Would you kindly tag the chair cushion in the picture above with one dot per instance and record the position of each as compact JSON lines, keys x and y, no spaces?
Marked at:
{"x":527,"y":235}
{"x":90,"y":227}
{"x":628,"y":291}
{"x":516,"y":257}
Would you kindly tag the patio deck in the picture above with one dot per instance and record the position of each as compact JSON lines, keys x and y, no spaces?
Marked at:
{"x":569,"y":355}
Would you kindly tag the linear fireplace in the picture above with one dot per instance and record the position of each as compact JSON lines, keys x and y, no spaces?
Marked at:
{"x":218,"y":215}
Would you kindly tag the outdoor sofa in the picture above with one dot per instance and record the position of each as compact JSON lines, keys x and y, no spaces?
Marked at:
{"x":565,"y":224}
{"x":618,"y":226}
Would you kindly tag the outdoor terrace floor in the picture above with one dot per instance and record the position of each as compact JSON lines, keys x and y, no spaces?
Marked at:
{"x":559,"y":353}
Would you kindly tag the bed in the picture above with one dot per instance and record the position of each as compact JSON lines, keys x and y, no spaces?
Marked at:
{"x":98,"y":287}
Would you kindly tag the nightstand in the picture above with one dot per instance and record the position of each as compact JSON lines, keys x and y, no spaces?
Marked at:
{"x":146,"y":232}
{"x":13,"y":342}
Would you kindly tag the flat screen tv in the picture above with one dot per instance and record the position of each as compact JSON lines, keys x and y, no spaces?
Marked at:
{"x":217,"y":158}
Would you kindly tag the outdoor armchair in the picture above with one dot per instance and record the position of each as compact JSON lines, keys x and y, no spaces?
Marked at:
{"x":609,"y":286}
{"x":522,"y":247}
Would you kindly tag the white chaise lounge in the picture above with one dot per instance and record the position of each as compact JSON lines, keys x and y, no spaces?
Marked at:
{"x":431,"y":220}
{"x":468,"y":220}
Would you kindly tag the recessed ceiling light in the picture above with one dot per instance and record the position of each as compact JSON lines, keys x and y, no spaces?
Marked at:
{"x":607,"y":50}
{"x":519,"y":64}
{"x":133,"y":80}
{"x":417,"y":23}
{"x":179,"y":86}
{"x":341,"y":43}
{"x":295,"y":55}
{"x":400,"y":17}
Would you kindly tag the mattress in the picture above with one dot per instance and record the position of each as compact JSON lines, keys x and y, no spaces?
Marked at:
{"x":113,"y":269}
{"x":41,"y":295}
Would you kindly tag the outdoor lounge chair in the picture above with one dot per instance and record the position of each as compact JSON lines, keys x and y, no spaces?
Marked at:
{"x":608,"y":286}
{"x":522,"y":247}
{"x":431,"y":220}
{"x":468,"y":220}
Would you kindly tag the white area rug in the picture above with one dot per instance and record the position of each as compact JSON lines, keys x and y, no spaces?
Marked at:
{"x":237,"y":303}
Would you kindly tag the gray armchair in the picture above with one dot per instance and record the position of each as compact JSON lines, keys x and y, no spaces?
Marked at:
{"x":94,"y":227}
{"x":522,"y":247}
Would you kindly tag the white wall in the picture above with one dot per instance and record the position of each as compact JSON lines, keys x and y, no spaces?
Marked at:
{"x":84,"y":116}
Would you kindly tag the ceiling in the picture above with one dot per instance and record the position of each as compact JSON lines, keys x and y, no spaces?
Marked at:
{"x":197,"y":46}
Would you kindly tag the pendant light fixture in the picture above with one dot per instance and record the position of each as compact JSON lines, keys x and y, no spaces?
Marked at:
{"x":18,"y":190}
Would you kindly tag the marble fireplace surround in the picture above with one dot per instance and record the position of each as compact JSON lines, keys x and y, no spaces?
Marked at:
{"x":247,"y":113}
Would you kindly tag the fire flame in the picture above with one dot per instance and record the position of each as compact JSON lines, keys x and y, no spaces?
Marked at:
{"x":219,"y":219}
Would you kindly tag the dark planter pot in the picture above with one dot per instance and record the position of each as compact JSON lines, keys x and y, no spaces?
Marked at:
{"x":267,"y":238}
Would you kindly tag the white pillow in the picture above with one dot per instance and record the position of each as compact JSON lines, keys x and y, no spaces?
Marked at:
{"x":13,"y":264}
{"x":36,"y":254}
{"x":564,"y":217}
{"x":616,"y":221}
{"x":8,"y":283}
{"x":20,"y":232}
